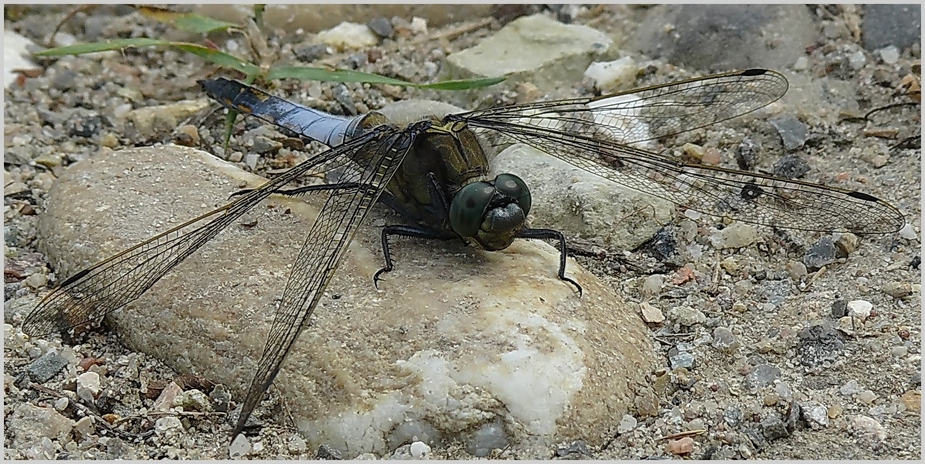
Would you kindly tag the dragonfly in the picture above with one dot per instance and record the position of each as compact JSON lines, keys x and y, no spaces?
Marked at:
{"x":434,"y":173}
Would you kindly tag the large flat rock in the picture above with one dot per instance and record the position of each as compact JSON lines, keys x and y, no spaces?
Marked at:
{"x":458,"y":346}
{"x":536,"y":49}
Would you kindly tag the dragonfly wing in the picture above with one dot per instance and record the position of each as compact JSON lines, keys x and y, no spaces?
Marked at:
{"x":595,"y":134}
{"x":106,"y":286}
{"x":648,"y":113}
{"x":327,"y":240}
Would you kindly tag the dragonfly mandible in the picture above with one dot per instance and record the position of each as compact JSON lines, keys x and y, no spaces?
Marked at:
{"x":434,"y":173}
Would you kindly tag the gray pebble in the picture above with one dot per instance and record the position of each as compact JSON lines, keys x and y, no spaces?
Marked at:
{"x":839,"y":309}
{"x":791,"y":167}
{"x":310,"y":53}
{"x":724,"y":340}
{"x":821,"y":253}
{"x":44,"y":368}
{"x":850,"y":388}
{"x":627,"y":423}
{"x":686,"y":316}
{"x":678,"y":358}
{"x":381,"y":27}
{"x":815,"y":414}
{"x":792,"y":132}
{"x":762,"y":375}
{"x":326,"y":452}
{"x":774,"y":428}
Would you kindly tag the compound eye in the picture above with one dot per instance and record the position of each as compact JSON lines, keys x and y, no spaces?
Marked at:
{"x":514,"y":187}
{"x":469,"y":206}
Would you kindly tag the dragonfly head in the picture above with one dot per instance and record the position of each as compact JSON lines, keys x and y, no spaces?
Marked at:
{"x":491,"y":213}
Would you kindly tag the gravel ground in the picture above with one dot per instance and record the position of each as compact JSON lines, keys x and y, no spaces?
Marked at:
{"x":765,"y":355}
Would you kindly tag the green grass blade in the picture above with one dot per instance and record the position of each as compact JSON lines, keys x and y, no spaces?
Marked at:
{"x":218,"y":57}
{"x":210,"y":54}
{"x":464,"y":84}
{"x":118,"y":44}
{"x":344,"y":75}
{"x":186,"y":21}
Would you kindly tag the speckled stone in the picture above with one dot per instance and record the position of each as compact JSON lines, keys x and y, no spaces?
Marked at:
{"x":455,"y":340}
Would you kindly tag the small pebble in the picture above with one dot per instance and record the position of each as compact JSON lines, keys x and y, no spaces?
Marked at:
{"x":783,"y":390}
{"x":680,"y":359}
{"x":652,"y":285}
{"x":774,"y":428}
{"x":796,"y":270}
{"x":889,"y":54}
{"x":867,"y":397}
{"x":651,"y":314}
{"x":860,"y":309}
{"x":821,"y":253}
{"x":834,"y":411}
{"x":193,"y":400}
{"x":867,"y":428}
{"x":712,"y":157}
{"x":297,"y":444}
{"x":611,"y":76}
{"x":730,"y":265}
{"x":771,"y":399}
{"x":736,"y":235}
{"x":109,"y":140}
{"x":912,"y":399}
{"x":857,"y":60}
{"x":84,"y":427}
{"x":907,"y":232}
{"x":187,"y":135}
{"x":167,"y":424}
{"x":724,"y":340}
{"x":686,"y":316}
{"x":250,"y":160}
{"x":88,"y":386}
{"x":801,"y":64}
{"x":418,"y":25}
{"x":847,"y":243}
{"x":627,"y":423}
{"x":684,"y":445}
{"x":850,"y":388}
{"x":762,"y":375}
{"x":239,"y":447}
{"x":815,"y":414}
{"x":898,"y":289}
{"x":61,"y":404}
{"x":420,"y":450}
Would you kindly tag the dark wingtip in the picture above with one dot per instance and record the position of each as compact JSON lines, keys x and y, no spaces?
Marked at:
{"x":754,"y":72}
{"x":863,"y":196}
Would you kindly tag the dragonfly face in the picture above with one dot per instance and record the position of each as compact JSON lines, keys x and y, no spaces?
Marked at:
{"x":491,"y":213}
{"x":441,"y":185}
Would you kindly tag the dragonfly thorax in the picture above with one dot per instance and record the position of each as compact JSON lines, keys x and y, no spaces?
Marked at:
{"x":491,"y":212}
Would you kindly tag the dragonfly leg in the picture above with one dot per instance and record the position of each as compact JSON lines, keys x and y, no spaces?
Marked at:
{"x":553,"y":235}
{"x":404,"y":231}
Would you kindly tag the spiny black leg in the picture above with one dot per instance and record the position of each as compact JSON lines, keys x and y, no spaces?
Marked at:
{"x":404,"y":231}
{"x":554,"y":235}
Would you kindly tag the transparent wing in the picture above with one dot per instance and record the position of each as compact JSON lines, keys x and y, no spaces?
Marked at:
{"x":595,"y":134}
{"x":106,"y":286}
{"x":339,"y":219}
